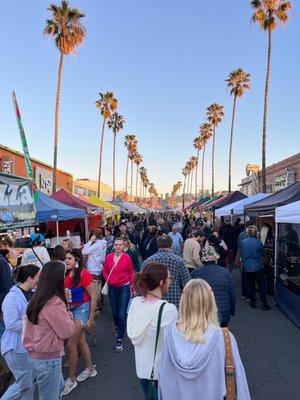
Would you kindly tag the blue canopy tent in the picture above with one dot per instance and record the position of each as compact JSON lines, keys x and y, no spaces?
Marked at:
{"x":48,"y":209}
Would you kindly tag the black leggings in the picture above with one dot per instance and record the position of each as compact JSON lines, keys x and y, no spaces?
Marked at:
{"x":259,"y":277}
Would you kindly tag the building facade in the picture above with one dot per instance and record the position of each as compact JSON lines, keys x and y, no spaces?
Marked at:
{"x":279,"y":176}
{"x":12,"y":163}
{"x":87,"y":187}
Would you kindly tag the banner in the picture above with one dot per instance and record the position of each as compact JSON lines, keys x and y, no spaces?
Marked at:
{"x":17,"y":208}
{"x":23,"y":138}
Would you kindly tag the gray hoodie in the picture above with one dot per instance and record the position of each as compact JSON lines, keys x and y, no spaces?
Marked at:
{"x":192,"y":371}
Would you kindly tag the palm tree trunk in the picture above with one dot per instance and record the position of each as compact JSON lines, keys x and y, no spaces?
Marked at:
{"x":196,"y":175}
{"x":114,"y":166}
{"x":202,"y":184}
{"x":192,"y":176}
{"x":188,"y":185}
{"x":131,"y":180}
{"x":100,"y":157}
{"x":136,"y":182}
{"x":126,"y":178}
{"x":213,"y":164}
{"x":230,"y":145}
{"x":57,"y":103}
{"x":264,"y":136}
{"x":183,"y":194}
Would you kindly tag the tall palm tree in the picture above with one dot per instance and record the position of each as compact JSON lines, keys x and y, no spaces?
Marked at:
{"x":65,"y":26}
{"x":198,"y":144}
{"x":132,"y":153}
{"x":267,"y":14}
{"x":130,"y":144}
{"x":215,"y":114}
{"x":238,"y":81}
{"x":107,"y":104}
{"x":185,"y":174}
{"x":206,"y":132}
{"x":143,"y":174}
{"x":138,"y":159}
{"x":193,"y":162}
{"x":116,"y":123}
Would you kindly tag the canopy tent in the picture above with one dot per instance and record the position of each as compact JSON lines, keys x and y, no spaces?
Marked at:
{"x":270,"y":203}
{"x":129,"y":208}
{"x":237,"y":208}
{"x":289,"y":214}
{"x":72,"y":201}
{"x":49,"y":209}
{"x":200,"y":201}
{"x":230,"y":199}
{"x":110,"y":209}
{"x":210,"y":204}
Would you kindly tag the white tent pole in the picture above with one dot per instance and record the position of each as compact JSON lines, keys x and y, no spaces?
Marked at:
{"x":275,"y":258}
{"x":86,"y":228}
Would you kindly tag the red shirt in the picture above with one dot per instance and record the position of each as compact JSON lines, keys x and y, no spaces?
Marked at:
{"x":85,"y":279}
{"x":123,"y":272}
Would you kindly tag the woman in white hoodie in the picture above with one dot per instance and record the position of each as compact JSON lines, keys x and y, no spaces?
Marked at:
{"x":142,"y":320}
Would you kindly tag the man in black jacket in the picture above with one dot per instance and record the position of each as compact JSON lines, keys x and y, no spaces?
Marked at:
{"x":221,"y":282}
{"x":5,"y":285}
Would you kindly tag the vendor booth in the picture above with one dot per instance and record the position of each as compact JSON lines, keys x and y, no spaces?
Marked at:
{"x":287,"y":291}
{"x":227,"y":200}
{"x":237,"y":208}
{"x":110,"y":211}
{"x":50,"y":210}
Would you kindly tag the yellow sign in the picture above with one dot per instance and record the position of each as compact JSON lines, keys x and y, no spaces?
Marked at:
{"x":252,"y":168}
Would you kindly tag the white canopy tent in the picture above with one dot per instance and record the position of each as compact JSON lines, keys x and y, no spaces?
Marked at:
{"x":237,"y":208}
{"x":289,"y":214}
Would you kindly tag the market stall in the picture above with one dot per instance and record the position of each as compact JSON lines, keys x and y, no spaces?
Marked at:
{"x":110,"y":211}
{"x":287,"y":290}
{"x":237,"y":208}
{"x":50,"y":210}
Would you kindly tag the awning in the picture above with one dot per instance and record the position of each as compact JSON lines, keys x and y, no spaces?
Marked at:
{"x":49,"y":209}
{"x":72,"y":201}
{"x":237,"y":208}
{"x":281,"y":198}
{"x":289,"y":214}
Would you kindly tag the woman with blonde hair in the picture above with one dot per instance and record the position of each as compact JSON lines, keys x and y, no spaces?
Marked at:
{"x":193,"y":361}
{"x":67,"y":244}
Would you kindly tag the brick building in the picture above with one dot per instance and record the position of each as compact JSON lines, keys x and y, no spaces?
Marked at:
{"x":12,"y":163}
{"x":279,"y":176}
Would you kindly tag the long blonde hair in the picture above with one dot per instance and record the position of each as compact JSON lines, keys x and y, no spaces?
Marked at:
{"x":197,"y":310}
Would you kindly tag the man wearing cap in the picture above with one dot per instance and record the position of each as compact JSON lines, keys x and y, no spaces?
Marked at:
{"x":221,"y":282}
{"x":37,"y":254}
{"x":204,"y":229}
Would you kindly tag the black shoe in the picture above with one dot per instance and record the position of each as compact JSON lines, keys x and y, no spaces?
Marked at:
{"x":265,"y":307}
{"x":119,"y":346}
{"x":252,"y":304}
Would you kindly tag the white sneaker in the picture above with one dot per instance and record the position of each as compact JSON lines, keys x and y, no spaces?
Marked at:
{"x":69,"y":386}
{"x":86,"y":374}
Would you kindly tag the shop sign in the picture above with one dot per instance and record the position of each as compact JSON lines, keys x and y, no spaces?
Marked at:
{"x":7,"y":167}
{"x":17,"y":208}
{"x":252,"y":168}
{"x":286,"y":179}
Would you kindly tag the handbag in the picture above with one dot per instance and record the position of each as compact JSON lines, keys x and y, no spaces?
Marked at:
{"x":229,"y":367}
{"x":105,"y":288}
{"x":152,"y":393}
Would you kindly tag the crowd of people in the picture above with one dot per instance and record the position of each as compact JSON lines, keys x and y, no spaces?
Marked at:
{"x":170,"y":287}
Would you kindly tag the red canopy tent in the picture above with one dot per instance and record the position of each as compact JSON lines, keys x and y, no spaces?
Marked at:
{"x":94,"y":213}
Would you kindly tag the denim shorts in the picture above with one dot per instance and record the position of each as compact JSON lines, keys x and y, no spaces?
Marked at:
{"x":82,"y":313}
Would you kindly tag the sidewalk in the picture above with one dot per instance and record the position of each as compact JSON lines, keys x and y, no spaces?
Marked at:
{"x":269,"y":344}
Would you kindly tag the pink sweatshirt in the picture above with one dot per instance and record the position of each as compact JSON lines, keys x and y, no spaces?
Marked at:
{"x":46,"y":339}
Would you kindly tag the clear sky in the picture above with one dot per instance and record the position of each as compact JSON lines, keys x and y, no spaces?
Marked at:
{"x":166,"y":61}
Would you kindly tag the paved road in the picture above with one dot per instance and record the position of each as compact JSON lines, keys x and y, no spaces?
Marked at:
{"x":269,"y":345}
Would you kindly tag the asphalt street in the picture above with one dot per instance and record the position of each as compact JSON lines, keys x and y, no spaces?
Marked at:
{"x":269,"y":345}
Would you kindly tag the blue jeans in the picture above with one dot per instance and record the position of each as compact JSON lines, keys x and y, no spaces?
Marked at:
{"x":23,"y":387}
{"x":119,"y":298}
{"x":48,"y":377}
{"x":82,"y":313}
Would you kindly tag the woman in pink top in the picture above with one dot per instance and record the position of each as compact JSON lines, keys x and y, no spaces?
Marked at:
{"x":47,"y":326}
{"x":118,"y":272}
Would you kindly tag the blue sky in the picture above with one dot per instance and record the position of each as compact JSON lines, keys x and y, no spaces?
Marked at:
{"x":166,"y":61}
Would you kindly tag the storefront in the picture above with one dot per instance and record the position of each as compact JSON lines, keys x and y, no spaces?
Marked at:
{"x":287,"y":293}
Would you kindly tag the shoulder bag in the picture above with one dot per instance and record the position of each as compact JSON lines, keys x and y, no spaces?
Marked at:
{"x":152,"y":393}
{"x":38,"y":258}
{"x":105,"y":288}
{"x":229,"y":368}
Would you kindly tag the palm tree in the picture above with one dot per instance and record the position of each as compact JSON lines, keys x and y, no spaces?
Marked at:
{"x":185,"y":174}
{"x":143,"y":175}
{"x":107,"y":104}
{"x":116,"y":123}
{"x":193,"y":162}
{"x":198,"y":144}
{"x":238,"y":81}
{"x":130,"y":144}
{"x":215,"y":114}
{"x":206,"y":132}
{"x":69,"y":33}
{"x":138,"y":159}
{"x":267,"y":14}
